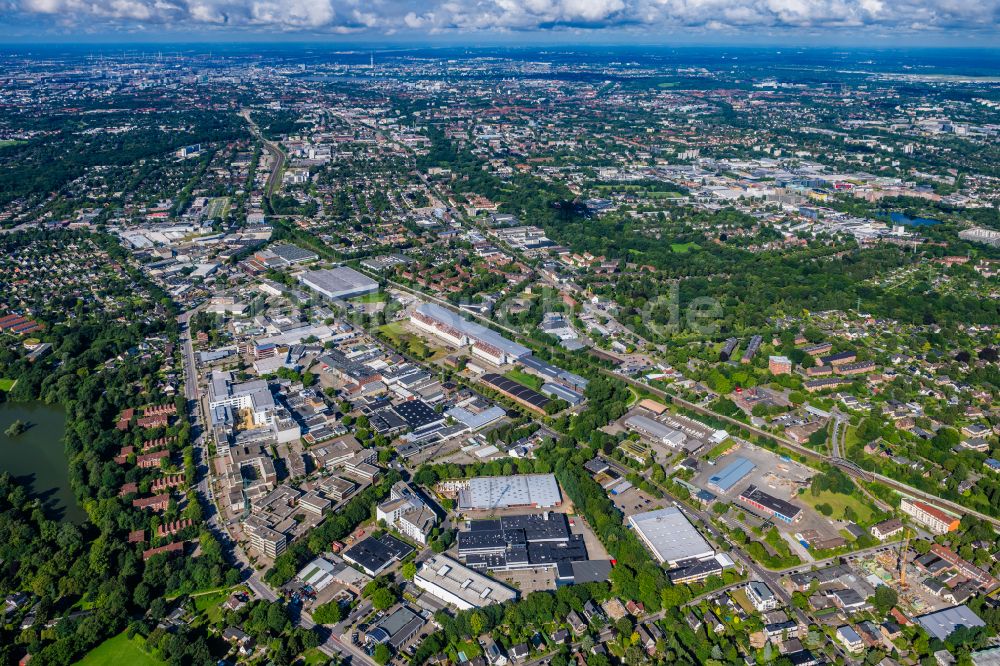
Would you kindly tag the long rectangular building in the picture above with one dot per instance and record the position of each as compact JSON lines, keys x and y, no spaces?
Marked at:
{"x":656,"y":431}
{"x":342,"y":282}
{"x":669,"y":536}
{"x":540,"y":491}
{"x":460,"y":586}
{"x":931,"y":517}
{"x":770,"y":505}
{"x":459,"y":331}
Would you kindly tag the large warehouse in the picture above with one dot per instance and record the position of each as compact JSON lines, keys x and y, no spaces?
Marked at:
{"x":460,"y":586}
{"x":727,"y":477}
{"x":502,"y":492}
{"x":656,"y":431}
{"x":669,"y":536}
{"x":342,"y":282}
{"x":459,"y":331}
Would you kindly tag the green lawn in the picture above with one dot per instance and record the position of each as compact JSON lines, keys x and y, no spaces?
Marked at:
{"x":839,"y":502}
{"x":522,"y":377}
{"x":313,"y":657}
{"x":120,"y":650}
{"x":7,"y":384}
{"x":684,"y":248}
{"x":376,"y":297}
{"x":10,"y":142}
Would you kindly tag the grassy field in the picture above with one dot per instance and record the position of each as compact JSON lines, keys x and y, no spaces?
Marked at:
{"x":838,"y":503}
{"x":10,"y":142}
{"x":410,"y":343}
{"x":522,"y":377}
{"x":377,"y":297}
{"x":684,"y":248}
{"x":7,"y":384}
{"x":120,"y":650}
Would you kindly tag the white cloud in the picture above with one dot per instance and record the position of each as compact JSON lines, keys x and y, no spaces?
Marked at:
{"x":387,"y":16}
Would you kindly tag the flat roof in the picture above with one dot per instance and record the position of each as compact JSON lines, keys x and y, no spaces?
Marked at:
{"x":472,"y":329}
{"x":467,"y":584}
{"x":654,"y":428}
{"x":497,"y":492}
{"x":770,"y":502}
{"x":375,"y":554}
{"x":670,"y":536}
{"x":338,"y":282}
{"x":943,"y":622}
{"x":731,"y":474}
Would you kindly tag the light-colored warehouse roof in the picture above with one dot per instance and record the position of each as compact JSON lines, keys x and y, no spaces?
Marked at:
{"x":466,"y":584}
{"x":731,"y":474}
{"x":498,"y":492}
{"x":669,"y":535}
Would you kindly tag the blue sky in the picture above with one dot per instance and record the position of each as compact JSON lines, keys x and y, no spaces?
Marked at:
{"x":798,"y":22}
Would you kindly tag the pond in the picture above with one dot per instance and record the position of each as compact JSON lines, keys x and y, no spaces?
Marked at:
{"x":36,"y":457}
{"x":902,"y":218}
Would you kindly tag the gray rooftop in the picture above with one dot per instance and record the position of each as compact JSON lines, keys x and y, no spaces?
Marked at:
{"x":669,"y":535}
{"x":943,"y":622}
{"x":498,"y":492}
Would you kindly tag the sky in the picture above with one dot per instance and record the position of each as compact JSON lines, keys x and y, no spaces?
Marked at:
{"x":799,"y":22}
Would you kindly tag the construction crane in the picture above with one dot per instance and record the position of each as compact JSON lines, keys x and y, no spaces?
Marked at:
{"x":902,"y":558}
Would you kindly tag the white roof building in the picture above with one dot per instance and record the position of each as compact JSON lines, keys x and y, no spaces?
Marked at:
{"x":669,"y":536}
{"x":460,"y":586}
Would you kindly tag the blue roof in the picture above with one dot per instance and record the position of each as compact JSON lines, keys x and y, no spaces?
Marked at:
{"x":731,"y":474}
{"x":559,"y":391}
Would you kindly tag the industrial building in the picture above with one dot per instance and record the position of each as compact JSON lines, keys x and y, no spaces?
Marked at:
{"x":374,"y":555}
{"x":669,"y":536}
{"x":485,"y":493}
{"x":459,"y":331}
{"x":770,"y":505}
{"x":536,"y":541}
{"x":725,"y":479}
{"x":460,"y":586}
{"x":942,"y":623}
{"x":342,"y":282}
{"x":655,"y":431}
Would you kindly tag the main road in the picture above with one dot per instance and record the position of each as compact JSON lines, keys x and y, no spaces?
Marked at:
{"x":203,"y":485}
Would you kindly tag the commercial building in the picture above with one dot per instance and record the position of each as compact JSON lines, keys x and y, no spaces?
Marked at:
{"x":540,"y":491}
{"x":263,"y":538}
{"x":669,"y":536}
{"x":460,"y":332}
{"x":374,"y":555}
{"x":934,"y":519}
{"x":770,"y":505}
{"x":460,"y":586}
{"x":342,"y":282}
{"x":728,"y":348}
{"x":725,"y":479}
{"x":536,"y":541}
{"x":942,"y":623}
{"x":396,"y":629}
{"x":655,"y":431}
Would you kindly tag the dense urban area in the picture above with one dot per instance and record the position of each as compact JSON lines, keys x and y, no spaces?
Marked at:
{"x":499,"y":357}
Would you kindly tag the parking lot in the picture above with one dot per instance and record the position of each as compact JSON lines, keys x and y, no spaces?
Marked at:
{"x":529,"y":580}
{"x":634,"y":501}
